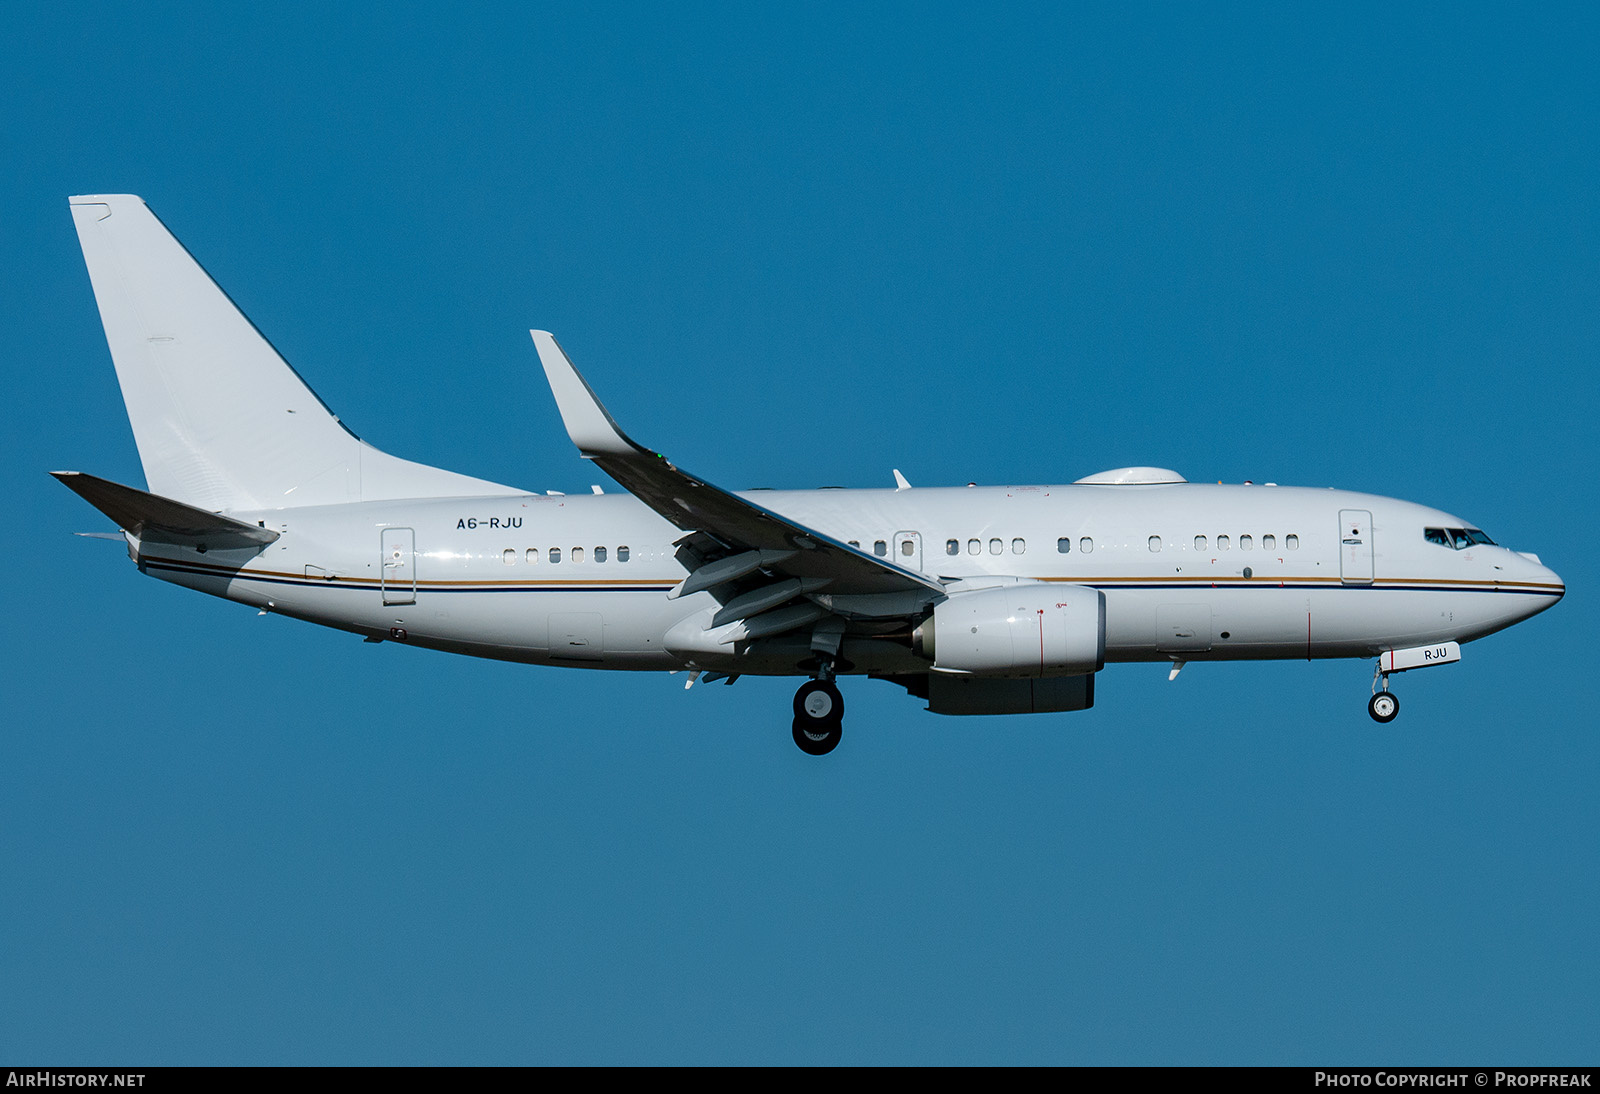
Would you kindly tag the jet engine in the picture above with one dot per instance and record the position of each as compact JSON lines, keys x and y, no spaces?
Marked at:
{"x":1030,"y":629}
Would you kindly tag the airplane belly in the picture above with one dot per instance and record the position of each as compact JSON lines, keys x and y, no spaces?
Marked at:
{"x":1249,"y":622}
{"x":576,"y":636}
{"x":582,"y":629}
{"x":1363,"y":621}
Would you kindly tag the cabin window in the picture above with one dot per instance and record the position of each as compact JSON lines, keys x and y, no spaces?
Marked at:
{"x":1086,"y":545}
{"x":1269,"y":543}
{"x":1018,"y":546}
{"x":907,"y":548}
{"x":880,"y":548}
{"x":996,"y":546}
{"x":577,"y":554}
{"x":974,"y":546}
{"x":555,"y":554}
{"x":1246,"y":543}
{"x":1064,"y":545}
{"x":1155,"y":543}
{"x":1292,"y":542}
{"x":533,"y":555}
{"x":599,"y":554}
{"x":1223,"y":543}
{"x":856,"y":543}
{"x":952,"y":546}
{"x":1199,"y":543}
{"x":509,"y":556}
{"x":622,"y":554}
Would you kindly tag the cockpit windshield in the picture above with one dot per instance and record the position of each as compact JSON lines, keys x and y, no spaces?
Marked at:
{"x":1457,"y":539}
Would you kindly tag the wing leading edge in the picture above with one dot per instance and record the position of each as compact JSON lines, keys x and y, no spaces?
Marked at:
{"x":750,"y":534}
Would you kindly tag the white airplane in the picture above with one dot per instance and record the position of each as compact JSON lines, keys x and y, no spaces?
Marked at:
{"x":978,"y":600}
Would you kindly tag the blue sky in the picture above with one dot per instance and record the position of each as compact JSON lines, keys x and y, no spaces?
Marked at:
{"x":1349,"y":246}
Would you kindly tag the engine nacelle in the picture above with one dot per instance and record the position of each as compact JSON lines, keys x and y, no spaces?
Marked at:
{"x":1031,"y":629}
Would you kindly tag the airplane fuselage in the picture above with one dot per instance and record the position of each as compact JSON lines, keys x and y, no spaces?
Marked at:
{"x":1189,"y":571}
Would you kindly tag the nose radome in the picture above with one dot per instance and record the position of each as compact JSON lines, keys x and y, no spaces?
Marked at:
{"x":1539,"y":574}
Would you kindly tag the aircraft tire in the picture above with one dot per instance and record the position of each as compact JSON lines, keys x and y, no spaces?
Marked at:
{"x":1384,"y":706}
{"x":819,"y":701}
{"x":816,"y":738}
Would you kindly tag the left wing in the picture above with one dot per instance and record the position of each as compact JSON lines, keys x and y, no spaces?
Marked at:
{"x":745,"y":537}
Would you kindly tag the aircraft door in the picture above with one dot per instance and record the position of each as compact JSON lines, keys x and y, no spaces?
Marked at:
{"x":908,"y":549}
{"x":398,"y":566}
{"x":1355,"y":546}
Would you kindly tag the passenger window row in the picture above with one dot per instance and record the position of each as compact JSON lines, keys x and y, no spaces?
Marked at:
{"x":1269,"y":542}
{"x":880,"y":547}
{"x":996,"y":546}
{"x":1085,"y":544}
{"x":577,"y":554}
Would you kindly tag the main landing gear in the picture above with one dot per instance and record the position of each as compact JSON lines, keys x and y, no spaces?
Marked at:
{"x":818,"y":716}
{"x":1384,"y":705}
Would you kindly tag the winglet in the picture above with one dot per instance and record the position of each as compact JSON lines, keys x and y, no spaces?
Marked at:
{"x":590,"y":427}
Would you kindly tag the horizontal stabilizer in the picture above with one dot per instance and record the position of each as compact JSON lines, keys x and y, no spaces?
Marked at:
{"x":155,"y":519}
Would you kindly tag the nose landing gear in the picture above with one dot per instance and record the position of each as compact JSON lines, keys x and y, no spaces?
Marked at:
{"x":818,"y":716}
{"x":1384,"y":705}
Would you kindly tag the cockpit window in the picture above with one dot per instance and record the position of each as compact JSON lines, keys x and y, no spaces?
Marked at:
{"x":1457,"y":539}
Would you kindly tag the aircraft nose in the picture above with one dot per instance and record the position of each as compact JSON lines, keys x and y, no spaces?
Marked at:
{"x":1549,"y":576}
{"x":1545,"y":584}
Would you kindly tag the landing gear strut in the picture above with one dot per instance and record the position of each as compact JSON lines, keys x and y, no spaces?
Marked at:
{"x":1384,"y":704}
{"x":818,"y":716}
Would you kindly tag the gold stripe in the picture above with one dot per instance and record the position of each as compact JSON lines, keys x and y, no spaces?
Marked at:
{"x":342,"y":579}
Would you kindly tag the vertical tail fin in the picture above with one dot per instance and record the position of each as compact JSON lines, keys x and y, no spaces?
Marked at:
{"x":221,"y":420}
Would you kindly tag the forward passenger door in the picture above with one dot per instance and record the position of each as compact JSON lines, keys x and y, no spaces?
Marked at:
{"x":1355,"y":546}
